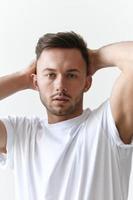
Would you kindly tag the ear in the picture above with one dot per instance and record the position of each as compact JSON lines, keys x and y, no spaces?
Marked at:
{"x":88,"y":83}
{"x":34,"y":80}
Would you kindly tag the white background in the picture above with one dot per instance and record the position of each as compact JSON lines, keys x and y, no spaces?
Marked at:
{"x":23,"y":22}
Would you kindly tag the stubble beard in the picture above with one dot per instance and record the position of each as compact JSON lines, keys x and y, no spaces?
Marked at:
{"x":63,"y":110}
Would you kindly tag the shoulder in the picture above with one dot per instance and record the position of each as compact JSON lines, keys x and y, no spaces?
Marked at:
{"x":99,"y":112}
{"x":96,"y":119}
{"x":21,"y":123}
{"x":101,"y":122}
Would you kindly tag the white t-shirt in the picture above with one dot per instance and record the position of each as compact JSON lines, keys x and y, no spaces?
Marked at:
{"x":78,"y":159}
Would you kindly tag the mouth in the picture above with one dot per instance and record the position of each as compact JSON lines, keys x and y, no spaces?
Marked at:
{"x":61,"y":99}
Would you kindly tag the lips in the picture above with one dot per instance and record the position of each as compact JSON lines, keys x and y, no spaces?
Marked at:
{"x":61,"y":98}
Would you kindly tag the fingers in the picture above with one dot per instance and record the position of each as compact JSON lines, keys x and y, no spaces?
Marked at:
{"x":32,"y":66}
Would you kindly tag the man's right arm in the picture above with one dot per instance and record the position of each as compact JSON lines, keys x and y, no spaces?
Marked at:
{"x":9,"y":85}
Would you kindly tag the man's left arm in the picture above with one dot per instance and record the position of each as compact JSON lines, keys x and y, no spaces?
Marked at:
{"x":121,"y":99}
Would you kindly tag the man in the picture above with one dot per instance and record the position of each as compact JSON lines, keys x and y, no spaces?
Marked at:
{"x":76,"y":154}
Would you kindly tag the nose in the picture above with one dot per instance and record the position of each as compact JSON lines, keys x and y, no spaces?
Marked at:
{"x":60,"y":84}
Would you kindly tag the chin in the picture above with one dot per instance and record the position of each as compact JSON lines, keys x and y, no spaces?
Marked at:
{"x":61,"y":111}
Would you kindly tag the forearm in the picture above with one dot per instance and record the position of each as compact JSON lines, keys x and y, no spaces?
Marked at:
{"x":18,"y":81}
{"x":12,"y":83}
{"x":117,"y":54}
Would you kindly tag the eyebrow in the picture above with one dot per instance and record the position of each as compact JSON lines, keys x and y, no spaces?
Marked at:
{"x":48,"y":69}
{"x":69,"y":70}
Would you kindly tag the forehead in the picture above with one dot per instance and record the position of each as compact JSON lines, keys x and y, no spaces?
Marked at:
{"x":60,"y":58}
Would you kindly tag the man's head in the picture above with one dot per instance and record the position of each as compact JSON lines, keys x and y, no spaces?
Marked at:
{"x":64,"y":40}
{"x":62,"y":74}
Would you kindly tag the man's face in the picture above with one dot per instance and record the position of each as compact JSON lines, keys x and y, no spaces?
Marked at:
{"x":61,"y":81}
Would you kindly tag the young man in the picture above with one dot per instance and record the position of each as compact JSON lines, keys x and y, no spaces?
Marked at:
{"x":76,"y":154}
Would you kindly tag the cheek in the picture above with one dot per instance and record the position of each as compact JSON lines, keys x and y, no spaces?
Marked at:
{"x":78,"y":86}
{"x":45,"y":88}
{"x":76,"y":91}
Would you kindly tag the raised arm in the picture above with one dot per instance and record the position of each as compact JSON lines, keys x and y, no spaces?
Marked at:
{"x":17,"y":81}
{"x":10,"y":84}
{"x":121,"y":100}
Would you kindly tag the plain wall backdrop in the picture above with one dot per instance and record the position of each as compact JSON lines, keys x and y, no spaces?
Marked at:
{"x":23,"y":22}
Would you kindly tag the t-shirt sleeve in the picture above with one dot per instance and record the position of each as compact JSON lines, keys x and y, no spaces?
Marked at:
{"x":6,"y":160}
{"x":111,"y":129}
{"x":21,"y":132}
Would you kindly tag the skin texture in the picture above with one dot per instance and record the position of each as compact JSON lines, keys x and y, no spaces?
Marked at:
{"x":61,"y":80}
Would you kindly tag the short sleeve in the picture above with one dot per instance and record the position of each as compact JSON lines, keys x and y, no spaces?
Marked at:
{"x":6,"y":160}
{"x":111,"y":129}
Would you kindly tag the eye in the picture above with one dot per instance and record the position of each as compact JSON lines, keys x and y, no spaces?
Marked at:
{"x":51,"y":75}
{"x":72,"y":76}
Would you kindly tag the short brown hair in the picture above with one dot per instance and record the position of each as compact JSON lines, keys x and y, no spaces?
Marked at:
{"x":63,"y":40}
